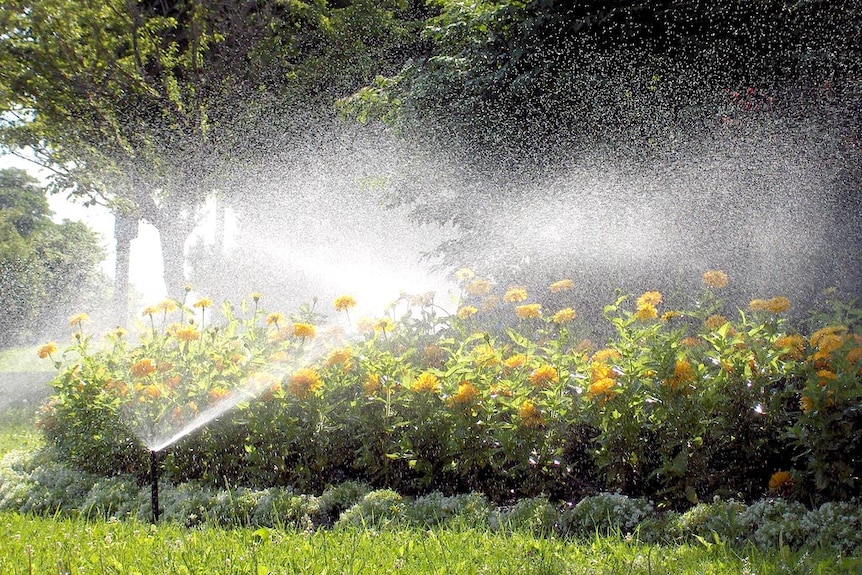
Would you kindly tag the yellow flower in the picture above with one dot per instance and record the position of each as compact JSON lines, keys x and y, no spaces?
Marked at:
{"x":339,"y":357}
{"x":188,"y":333}
{"x":47,"y":350}
{"x":528,"y":311}
{"x":479,"y":287}
{"x":117,"y":333}
{"x":605,"y":354}
{"x":515,"y":361}
{"x":683,"y":373}
{"x":778,"y":304}
{"x":806,"y":404}
{"x":167,"y":306}
{"x":793,"y":344}
{"x":758,"y":305}
{"x":562,"y":285}
{"x":143,"y":368}
{"x":515,"y":295}
{"x":824,"y":376}
{"x":464,"y":274}
{"x":715,"y":321}
{"x":371,"y":384}
{"x":150,"y":310}
{"x":530,"y":415}
{"x":831,"y":330}
{"x":344,"y":302}
{"x":274,"y":318}
{"x":303,"y":382}
{"x":603,"y":388}
{"x":203,"y":303}
{"x":467,"y":311}
{"x":854,"y":355}
{"x":304,"y":330}
{"x":669,"y":315}
{"x":217,"y":393}
{"x":77,"y":319}
{"x":565,"y":315}
{"x":427,"y":382}
{"x":600,"y":370}
{"x":255,"y":296}
{"x":652,"y":298}
{"x":646,"y":311}
{"x":780,"y":480}
{"x":384,"y":324}
{"x":543,"y":375}
{"x":715,"y":279}
{"x":467,"y":393}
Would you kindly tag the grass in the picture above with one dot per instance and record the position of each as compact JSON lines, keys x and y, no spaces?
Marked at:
{"x":33,"y":544}
{"x":44,"y":545}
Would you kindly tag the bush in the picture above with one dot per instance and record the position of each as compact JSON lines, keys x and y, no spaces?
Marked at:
{"x":606,"y":514}
{"x":680,"y":405}
{"x":379,"y":509}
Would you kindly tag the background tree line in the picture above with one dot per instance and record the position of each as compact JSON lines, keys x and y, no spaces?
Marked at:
{"x":150,"y":107}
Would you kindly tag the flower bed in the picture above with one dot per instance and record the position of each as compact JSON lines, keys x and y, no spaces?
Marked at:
{"x":503,"y":397}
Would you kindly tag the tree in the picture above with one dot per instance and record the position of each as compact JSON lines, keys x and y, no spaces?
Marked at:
{"x":517,"y":92}
{"x":151,"y":106}
{"x":45,"y":268}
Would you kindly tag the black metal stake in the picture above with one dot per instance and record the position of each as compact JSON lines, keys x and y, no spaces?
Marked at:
{"x":154,"y":477}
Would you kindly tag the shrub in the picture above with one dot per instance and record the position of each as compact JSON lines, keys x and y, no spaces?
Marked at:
{"x":379,"y":508}
{"x":436,"y":509}
{"x":606,"y":513}
{"x":834,"y":525}
{"x":535,"y":515}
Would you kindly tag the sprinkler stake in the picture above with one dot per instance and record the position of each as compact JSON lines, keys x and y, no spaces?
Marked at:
{"x":154,"y":477}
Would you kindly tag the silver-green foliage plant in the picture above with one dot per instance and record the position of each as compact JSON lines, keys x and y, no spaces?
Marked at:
{"x":607,"y":513}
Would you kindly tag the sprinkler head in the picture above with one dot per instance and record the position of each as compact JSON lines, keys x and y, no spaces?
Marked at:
{"x":154,"y":478}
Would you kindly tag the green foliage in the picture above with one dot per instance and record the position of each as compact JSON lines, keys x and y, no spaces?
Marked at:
{"x":44,"y":267}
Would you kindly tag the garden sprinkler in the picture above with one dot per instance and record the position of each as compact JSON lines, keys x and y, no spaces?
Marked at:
{"x":154,"y":477}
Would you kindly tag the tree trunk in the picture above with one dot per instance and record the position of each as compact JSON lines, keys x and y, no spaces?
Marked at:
{"x":172,"y":237}
{"x":125,"y":230}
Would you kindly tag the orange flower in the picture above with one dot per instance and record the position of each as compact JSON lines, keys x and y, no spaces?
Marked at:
{"x":304,"y":330}
{"x":77,"y":319}
{"x":715,"y":321}
{"x":47,"y":350}
{"x":467,"y":311}
{"x":528,"y":311}
{"x":303,"y":382}
{"x":152,"y":391}
{"x":274,"y":318}
{"x":806,"y":404}
{"x":515,"y":295}
{"x":217,"y":393}
{"x":427,"y":382}
{"x":543,"y":375}
{"x":793,"y":346}
{"x":683,"y":373}
{"x":565,"y":315}
{"x":600,"y":370}
{"x":479,"y":287}
{"x":605,"y":354}
{"x":371,"y":384}
{"x":652,"y":298}
{"x":167,"y":306}
{"x":646,"y":311}
{"x":515,"y":361}
{"x":758,"y":305}
{"x":561,"y":285}
{"x":143,"y":368}
{"x":203,"y":303}
{"x":530,"y":415}
{"x":188,"y":333}
{"x":344,"y":302}
{"x":780,"y":480}
{"x":340,"y":357}
{"x":715,"y":279}
{"x":603,"y":388}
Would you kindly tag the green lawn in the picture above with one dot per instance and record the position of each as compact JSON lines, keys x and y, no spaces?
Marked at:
{"x":46,"y":545}
{"x":32,"y":544}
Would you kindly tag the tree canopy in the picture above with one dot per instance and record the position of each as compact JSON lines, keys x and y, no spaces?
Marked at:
{"x":45,"y":268}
